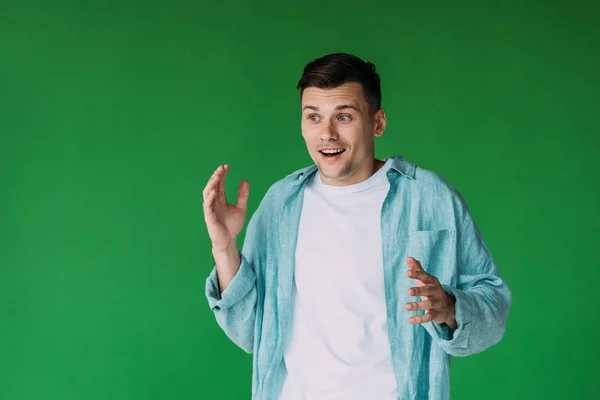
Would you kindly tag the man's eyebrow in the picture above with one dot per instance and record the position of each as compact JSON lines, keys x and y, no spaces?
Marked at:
{"x":310,"y":108}
{"x":340,"y":107}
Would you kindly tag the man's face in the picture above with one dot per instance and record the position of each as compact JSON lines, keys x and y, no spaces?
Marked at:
{"x":338,"y":129}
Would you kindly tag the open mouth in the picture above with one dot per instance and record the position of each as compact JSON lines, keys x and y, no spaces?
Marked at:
{"x":331,"y":154}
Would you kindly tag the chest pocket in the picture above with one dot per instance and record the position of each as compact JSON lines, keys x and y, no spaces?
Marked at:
{"x":435,"y":250}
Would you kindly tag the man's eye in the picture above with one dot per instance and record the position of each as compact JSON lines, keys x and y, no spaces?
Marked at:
{"x":344,"y":118}
{"x":313,"y":117}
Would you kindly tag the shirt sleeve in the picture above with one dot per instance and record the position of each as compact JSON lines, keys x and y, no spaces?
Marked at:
{"x":483,"y":299}
{"x":235,"y":308}
{"x":238,"y":288}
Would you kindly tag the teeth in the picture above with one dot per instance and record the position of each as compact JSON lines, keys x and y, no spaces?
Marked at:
{"x":329,"y":151}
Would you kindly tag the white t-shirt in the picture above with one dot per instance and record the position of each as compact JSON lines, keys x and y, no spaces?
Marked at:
{"x":339,"y":346}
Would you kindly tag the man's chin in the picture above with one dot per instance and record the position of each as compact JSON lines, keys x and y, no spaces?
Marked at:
{"x":333,"y":174}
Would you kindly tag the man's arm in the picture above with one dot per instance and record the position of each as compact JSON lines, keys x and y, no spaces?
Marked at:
{"x":227,"y":263}
{"x":231,"y":288}
{"x":470,"y":317}
{"x":482,"y":300}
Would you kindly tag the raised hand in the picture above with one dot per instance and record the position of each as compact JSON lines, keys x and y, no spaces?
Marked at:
{"x":434,"y":299}
{"x":224,"y":221}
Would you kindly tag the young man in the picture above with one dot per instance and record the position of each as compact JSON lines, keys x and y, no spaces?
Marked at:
{"x":358,"y":278}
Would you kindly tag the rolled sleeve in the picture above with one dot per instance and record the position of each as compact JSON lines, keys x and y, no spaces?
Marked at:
{"x":238,"y":288}
{"x":450,"y":339}
{"x":483,"y":299}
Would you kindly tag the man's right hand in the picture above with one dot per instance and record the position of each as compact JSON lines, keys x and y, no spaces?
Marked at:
{"x":224,"y":221}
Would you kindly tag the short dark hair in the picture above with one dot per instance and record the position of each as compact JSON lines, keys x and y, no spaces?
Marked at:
{"x":335,"y":69}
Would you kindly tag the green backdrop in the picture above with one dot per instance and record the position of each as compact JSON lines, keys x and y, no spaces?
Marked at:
{"x":114,"y":114}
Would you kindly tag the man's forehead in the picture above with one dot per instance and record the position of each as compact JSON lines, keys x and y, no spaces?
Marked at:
{"x":349,"y":93}
{"x":346,"y":89}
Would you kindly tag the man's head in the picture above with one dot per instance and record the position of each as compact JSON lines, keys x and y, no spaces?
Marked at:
{"x":341,"y":112}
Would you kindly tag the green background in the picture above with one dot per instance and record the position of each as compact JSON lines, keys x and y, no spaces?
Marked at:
{"x":114,"y":114}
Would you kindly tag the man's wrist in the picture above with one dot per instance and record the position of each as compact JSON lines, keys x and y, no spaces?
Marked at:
{"x":451,"y":320}
{"x":228,"y":251}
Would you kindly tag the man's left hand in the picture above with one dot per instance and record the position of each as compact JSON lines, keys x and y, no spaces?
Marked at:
{"x":438,"y":304}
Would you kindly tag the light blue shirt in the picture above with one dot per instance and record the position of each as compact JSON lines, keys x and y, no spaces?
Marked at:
{"x":422,"y":216}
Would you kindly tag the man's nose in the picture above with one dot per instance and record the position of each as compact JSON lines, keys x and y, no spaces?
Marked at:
{"x":329,"y":133}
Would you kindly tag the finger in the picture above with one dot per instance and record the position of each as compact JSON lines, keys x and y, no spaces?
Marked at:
{"x":209,"y":198}
{"x":419,"y":305}
{"x":427,"y":291}
{"x":222,"y":180}
{"x":209,"y":211}
{"x":214,"y":179}
{"x":421,"y":319}
{"x":243,"y":193}
{"x":414,"y":264}
{"x":421,"y":276}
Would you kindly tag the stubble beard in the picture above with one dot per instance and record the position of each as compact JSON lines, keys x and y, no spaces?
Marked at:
{"x":347,"y":169}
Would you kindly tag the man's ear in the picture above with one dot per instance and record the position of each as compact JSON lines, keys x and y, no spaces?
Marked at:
{"x":380,"y":122}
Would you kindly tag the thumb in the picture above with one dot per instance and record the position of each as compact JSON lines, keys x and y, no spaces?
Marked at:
{"x":243,"y":193}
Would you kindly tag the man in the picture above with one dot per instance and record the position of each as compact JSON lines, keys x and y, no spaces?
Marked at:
{"x":358,"y":278}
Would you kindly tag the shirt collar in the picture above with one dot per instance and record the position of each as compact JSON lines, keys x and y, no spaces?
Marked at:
{"x":404,"y":167}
